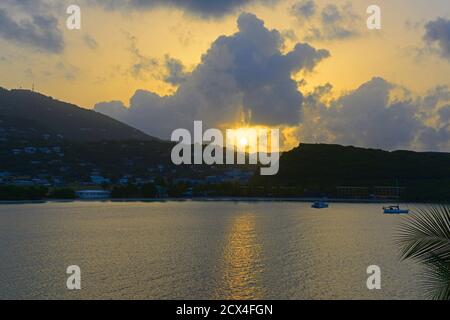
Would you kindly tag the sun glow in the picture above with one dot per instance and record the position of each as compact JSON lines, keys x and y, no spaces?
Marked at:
{"x":263,"y":147}
{"x":243,"y":142}
{"x":253,"y":139}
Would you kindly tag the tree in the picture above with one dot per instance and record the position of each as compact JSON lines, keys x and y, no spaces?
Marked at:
{"x":424,"y":236}
{"x":149,"y":190}
{"x":64,"y":193}
{"x":129,"y":191}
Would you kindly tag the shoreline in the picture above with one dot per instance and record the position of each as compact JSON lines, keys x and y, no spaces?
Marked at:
{"x":207,"y":199}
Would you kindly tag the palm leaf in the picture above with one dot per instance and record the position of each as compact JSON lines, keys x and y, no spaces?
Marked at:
{"x":424,"y":236}
{"x":436,"y":280}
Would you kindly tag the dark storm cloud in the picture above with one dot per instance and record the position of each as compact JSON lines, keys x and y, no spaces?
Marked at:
{"x":28,"y":23}
{"x":435,"y":111}
{"x":244,"y":75}
{"x":330,"y":22}
{"x":175,"y":71}
{"x":205,"y":8}
{"x":304,"y":9}
{"x":370,"y":116}
{"x":437,"y":33}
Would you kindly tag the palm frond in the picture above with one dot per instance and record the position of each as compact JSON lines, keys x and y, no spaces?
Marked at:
{"x":424,"y":236}
{"x":436,"y":280}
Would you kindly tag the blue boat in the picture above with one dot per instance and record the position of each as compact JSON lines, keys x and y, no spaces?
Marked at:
{"x":395,"y":210}
{"x":321,"y":204}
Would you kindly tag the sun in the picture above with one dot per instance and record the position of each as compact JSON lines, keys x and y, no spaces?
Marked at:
{"x":243,"y":142}
{"x":246,"y":138}
{"x":252,"y":139}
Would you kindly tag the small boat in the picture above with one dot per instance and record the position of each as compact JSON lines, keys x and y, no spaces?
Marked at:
{"x":395,"y":210}
{"x":320,"y":205}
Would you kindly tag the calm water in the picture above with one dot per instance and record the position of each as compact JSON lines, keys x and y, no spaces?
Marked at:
{"x":201,"y":250}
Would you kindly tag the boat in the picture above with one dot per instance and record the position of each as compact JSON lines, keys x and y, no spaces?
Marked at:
{"x":321,"y":204}
{"x":395,"y":210}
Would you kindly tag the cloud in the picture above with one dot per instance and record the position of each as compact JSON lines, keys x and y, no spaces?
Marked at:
{"x":437,"y":33}
{"x":304,"y":9}
{"x":329,"y":22}
{"x":176,"y":74}
{"x":376,"y":115}
{"x":90,"y":42}
{"x":203,"y":8}
{"x":142,"y":65}
{"x":30,"y":23}
{"x":242,"y":77}
{"x":67,"y":71}
{"x":368,"y":117}
{"x":435,"y":115}
{"x":38,"y":31}
{"x":115,"y":107}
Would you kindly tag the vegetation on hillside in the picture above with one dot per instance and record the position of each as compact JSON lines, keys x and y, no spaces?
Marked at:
{"x":320,"y":168}
{"x":32,"y":114}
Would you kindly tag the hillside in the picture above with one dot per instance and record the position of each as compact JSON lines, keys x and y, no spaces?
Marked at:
{"x":30,"y":115}
{"x":338,"y":163}
{"x":52,"y":142}
{"x":322,"y":168}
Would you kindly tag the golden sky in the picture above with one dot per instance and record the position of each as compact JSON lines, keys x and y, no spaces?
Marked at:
{"x":98,"y":63}
{"x":86,"y":76}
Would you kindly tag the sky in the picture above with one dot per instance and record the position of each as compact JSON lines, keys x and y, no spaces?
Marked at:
{"x":309,"y":67}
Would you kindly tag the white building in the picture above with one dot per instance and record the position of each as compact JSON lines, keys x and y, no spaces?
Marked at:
{"x":95,"y":179}
{"x":93,"y":194}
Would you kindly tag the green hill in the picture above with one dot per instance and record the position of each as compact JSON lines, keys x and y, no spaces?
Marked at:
{"x":30,"y":115}
{"x":321,"y":168}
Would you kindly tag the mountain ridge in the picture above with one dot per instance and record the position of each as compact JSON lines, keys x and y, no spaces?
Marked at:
{"x":29,"y":113}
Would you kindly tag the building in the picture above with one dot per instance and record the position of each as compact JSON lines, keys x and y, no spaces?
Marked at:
{"x":188,"y":193}
{"x":22,"y":183}
{"x":93,"y":194}
{"x":142,"y":181}
{"x":4,"y":174}
{"x":188,"y":181}
{"x":388,"y":192}
{"x":348,"y":192}
{"x":98,"y":180}
{"x":30,"y":150}
{"x":124,"y":181}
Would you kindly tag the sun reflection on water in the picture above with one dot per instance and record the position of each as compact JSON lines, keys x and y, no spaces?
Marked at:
{"x":242,"y":264}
